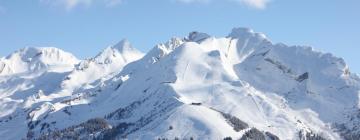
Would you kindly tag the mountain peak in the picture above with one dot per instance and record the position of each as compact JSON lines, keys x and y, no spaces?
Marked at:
{"x":123,"y":45}
{"x":122,"y":50}
{"x":197,"y":36}
{"x":35,"y":58}
{"x":26,"y":53}
{"x":236,"y":32}
{"x":245,"y":33}
{"x":29,"y":53}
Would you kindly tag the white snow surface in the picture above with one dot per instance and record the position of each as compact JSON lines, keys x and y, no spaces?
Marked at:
{"x":31,"y":60}
{"x":180,"y":89}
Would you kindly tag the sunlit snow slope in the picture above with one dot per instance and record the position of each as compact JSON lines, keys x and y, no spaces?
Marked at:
{"x":241,"y":86}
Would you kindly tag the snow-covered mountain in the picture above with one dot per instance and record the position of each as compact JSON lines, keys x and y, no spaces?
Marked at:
{"x":241,"y":86}
{"x":32,"y":60}
{"x":107,"y":63}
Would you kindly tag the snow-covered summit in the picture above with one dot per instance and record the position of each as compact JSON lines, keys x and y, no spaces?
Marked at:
{"x":111,"y":60}
{"x":197,"y":36}
{"x":31,"y":59}
{"x":122,"y":51}
{"x":125,"y":46}
{"x":245,"y":33}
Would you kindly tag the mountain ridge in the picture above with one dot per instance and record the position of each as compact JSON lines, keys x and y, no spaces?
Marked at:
{"x":198,"y":87}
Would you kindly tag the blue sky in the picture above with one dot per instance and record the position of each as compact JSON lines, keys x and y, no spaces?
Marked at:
{"x":85,"y":27}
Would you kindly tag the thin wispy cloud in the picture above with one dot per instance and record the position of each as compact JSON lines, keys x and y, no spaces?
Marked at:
{"x":67,"y":4}
{"x":258,"y":4}
{"x":71,"y":4}
{"x":193,"y":1}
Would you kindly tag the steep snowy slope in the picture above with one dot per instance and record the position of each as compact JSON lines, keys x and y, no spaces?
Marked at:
{"x":111,"y":60}
{"x":29,"y":74}
{"x":32,"y":93}
{"x":199,"y":87}
{"x":30,"y":70}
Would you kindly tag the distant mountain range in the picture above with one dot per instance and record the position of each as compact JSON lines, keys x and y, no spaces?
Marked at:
{"x":241,"y":86}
